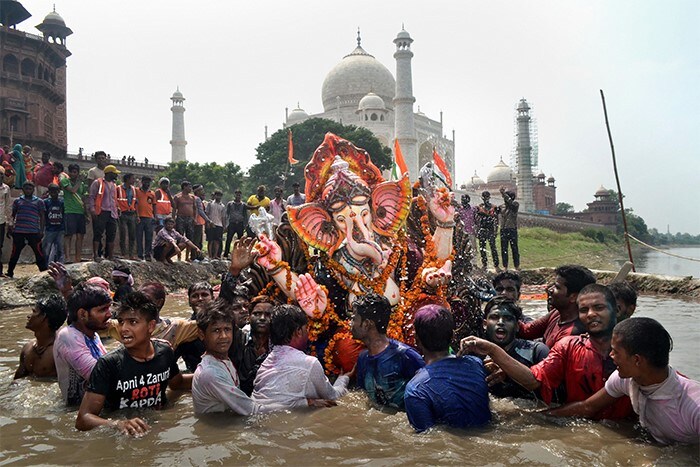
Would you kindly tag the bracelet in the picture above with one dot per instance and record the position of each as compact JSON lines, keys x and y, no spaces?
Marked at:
{"x":275,"y":270}
{"x":445,"y":225}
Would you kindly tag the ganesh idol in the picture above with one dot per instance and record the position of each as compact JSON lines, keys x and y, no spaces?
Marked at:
{"x":359,"y":234}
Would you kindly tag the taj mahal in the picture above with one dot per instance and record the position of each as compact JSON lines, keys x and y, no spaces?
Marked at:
{"x":361,"y":91}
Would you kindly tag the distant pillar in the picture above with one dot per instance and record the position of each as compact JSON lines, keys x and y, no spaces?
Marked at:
{"x":524,"y":155}
{"x":404,"y":125}
{"x":178,"y":141}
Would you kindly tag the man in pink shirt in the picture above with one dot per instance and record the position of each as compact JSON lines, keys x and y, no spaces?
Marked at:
{"x":668,"y":403}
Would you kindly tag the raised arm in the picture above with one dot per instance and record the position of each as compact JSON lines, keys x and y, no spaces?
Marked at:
{"x":510,"y":366}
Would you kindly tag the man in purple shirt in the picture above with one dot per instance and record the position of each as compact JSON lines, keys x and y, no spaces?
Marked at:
{"x":168,"y":242}
{"x":28,"y":227}
{"x":466,"y":216}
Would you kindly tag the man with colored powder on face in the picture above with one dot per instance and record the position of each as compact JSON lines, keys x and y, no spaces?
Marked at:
{"x":667,"y":402}
{"x":78,"y":346}
{"x":385,"y":366}
{"x":36,"y":358}
{"x":450,"y":390}
{"x":501,"y":317}
{"x":135,"y":375}
{"x":581,"y":363}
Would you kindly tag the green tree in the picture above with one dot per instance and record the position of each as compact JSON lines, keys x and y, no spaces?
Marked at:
{"x":273,"y":169}
{"x":562,"y":209}
{"x":212,"y":176}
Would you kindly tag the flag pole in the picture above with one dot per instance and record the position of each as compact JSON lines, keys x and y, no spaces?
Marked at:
{"x":617,"y":180}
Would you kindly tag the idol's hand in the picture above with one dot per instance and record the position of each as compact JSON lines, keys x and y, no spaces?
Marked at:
{"x":310,"y":296}
{"x":269,"y":252}
{"x":440,"y":204}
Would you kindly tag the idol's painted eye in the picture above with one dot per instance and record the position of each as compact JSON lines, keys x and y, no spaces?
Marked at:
{"x":340,"y":219}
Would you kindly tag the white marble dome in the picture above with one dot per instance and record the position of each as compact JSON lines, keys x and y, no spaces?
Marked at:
{"x":371,"y":102}
{"x":357,"y":74}
{"x":297,"y":115}
{"x":54,"y":18}
{"x":500,"y":173}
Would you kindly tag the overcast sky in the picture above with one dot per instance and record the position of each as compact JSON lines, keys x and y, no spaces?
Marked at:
{"x":239,"y":64}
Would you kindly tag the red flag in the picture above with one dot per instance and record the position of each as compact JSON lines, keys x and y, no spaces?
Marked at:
{"x":400,"y":162}
{"x":290,"y":157}
{"x":443,"y":167}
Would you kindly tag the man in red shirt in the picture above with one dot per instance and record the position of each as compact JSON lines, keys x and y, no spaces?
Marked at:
{"x":582,"y":363}
{"x":563,"y":319}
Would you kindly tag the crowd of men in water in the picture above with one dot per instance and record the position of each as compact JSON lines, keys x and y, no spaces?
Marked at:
{"x":588,"y":356}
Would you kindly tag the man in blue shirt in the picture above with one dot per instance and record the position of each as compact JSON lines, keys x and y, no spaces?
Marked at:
{"x":449,"y":390}
{"x":386,"y":366}
{"x":27,"y":228}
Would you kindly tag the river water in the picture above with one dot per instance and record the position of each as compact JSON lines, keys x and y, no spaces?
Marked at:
{"x":36,"y":429}
{"x":659,"y":262}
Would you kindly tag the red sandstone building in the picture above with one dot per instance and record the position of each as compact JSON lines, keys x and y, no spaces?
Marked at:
{"x":33,"y":81}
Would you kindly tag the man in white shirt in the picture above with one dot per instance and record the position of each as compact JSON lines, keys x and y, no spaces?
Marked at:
{"x":277,"y":206}
{"x":216,"y":210}
{"x":216,"y":387}
{"x":668,"y":403}
{"x":288,"y":376}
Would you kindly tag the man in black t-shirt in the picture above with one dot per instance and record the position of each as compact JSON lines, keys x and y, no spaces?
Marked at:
{"x":135,"y":375}
{"x":501,"y":317}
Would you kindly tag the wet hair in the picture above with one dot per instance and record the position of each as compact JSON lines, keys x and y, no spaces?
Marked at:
{"x":466,"y":197}
{"x":213,"y":312}
{"x":139,"y":303}
{"x":127,"y":176}
{"x":87,"y":297}
{"x":605,"y":292}
{"x":624,"y":291}
{"x":503,"y":303}
{"x":263,"y":299}
{"x":157,"y":289}
{"x":53,"y":187}
{"x":54,"y":308}
{"x":286,"y":320}
{"x":72,"y":167}
{"x":576,"y":277}
{"x":184,"y":184}
{"x":200,"y":286}
{"x":375,"y":308}
{"x":645,"y":337}
{"x":122,"y":268}
{"x":434,"y":327}
{"x":505,"y":275}
{"x":58,"y":165}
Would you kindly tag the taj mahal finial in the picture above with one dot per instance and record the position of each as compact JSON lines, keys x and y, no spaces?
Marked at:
{"x":359,"y":39}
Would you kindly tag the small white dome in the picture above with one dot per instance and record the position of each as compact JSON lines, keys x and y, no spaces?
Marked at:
{"x":54,"y":18}
{"x":476,"y":181}
{"x":371,"y":102}
{"x":500,"y":173}
{"x":403,"y":34}
{"x":602,"y":191}
{"x":296,"y":116}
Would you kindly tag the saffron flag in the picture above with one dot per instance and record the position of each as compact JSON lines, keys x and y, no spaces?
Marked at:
{"x":442,"y":167}
{"x":290,"y":157}
{"x":399,"y":162}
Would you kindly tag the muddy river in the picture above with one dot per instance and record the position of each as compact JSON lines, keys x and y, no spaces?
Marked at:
{"x":36,"y":429}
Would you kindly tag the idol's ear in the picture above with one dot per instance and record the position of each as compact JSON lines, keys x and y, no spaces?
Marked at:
{"x":391,"y":203}
{"x":315,"y":226}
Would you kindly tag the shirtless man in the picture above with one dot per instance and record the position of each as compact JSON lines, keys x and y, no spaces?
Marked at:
{"x":47,"y":316}
{"x":184,"y":210}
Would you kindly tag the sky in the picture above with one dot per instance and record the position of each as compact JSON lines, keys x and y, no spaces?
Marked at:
{"x":239,"y":64}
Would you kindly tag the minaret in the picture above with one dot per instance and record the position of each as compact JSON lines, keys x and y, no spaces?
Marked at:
{"x":178,"y":142}
{"x":524,"y":160}
{"x":404,"y":126}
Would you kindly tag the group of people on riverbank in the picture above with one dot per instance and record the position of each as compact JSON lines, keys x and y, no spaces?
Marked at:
{"x":588,"y":356}
{"x":54,"y":208}
{"x":481,"y":223}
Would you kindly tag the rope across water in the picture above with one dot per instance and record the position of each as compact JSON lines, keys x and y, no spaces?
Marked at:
{"x":662,"y":251}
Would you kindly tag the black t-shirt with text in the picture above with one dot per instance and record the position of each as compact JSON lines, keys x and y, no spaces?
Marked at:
{"x":127,"y":383}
